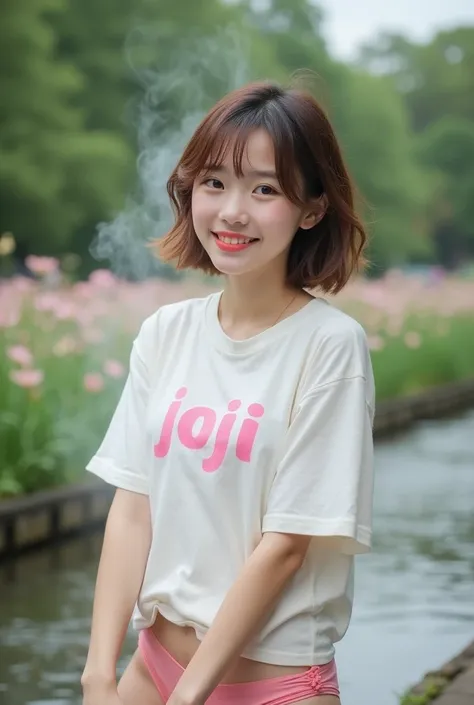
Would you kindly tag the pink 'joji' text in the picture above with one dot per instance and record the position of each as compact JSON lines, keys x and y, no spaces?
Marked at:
{"x":196,"y":425}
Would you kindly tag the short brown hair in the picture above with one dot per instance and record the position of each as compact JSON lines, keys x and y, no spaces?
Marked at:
{"x":306,"y":151}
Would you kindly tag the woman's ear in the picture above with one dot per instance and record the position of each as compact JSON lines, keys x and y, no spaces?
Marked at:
{"x":316,"y":214}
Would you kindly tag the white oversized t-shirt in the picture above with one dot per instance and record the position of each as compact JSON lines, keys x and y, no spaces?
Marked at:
{"x":231,"y":439}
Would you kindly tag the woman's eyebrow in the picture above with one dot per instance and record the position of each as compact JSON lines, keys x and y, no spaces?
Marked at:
{"x":262,"y":173}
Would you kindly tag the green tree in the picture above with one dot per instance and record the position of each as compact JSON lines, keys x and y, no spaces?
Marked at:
{"x":54,"y":176}
{"x":35,"y":117}
{"x":436,"y":82}
{"x":447,"y":148}
{"x":374,"y":129}
{"x":436,"y":79}
{"x":91,"y":36}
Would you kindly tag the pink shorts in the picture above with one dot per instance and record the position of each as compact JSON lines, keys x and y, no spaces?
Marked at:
{"x":165,"y":672}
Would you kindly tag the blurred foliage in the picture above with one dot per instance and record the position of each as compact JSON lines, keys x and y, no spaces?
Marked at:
{"x":436,"y":84}
{"x":87,"y":86}
{"x":55,"y":173}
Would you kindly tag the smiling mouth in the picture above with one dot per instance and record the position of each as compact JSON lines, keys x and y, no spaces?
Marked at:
{"x":234,"y":243}
{"x":234,"y":239}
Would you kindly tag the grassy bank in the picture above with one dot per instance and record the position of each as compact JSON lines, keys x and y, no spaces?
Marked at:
{"x":64,"y":352}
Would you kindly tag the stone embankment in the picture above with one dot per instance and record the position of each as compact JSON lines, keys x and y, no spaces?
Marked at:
{"x":452,"y":684}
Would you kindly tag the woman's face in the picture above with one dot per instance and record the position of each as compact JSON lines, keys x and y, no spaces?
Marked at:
{"x":246,"y":224}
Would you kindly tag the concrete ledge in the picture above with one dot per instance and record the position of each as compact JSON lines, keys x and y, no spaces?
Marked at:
{"x":31,"y":521}
{"x":397,"y":414}
{"x":451,"y":684}
{"x":34,"y":520}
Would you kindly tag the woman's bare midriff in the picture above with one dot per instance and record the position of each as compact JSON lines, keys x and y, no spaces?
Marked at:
{"x":182,"y":643}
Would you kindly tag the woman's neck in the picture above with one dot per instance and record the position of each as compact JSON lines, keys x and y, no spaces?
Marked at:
{"x":250,"y":304}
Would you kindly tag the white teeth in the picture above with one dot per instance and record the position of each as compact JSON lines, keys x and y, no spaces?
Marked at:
{"x":235,"y":240}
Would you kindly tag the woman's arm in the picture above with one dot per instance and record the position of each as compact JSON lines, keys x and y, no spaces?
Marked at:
{"x":122,"y":566}
{"x":246,"y":607}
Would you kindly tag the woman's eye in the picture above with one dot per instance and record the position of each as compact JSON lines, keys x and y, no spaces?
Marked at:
{"x":213,"y":183}
{"x":266,"y":190}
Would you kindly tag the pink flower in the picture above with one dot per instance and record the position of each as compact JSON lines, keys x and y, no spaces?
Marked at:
{"x":9,"y":319}
{"x":22,"y":285}
{"x":65,"y":346}
{"x":93,"y":382}
{"x":42,"y":265}
{"x":27,"y":378}
{"x":46,"y":302}
{"x":20,"y":354}
{"x":376,"y":342}
{"x":412,"y":339}
{"x":64,"y":311}
{"x":113,"y":368}
{"x":102,"y":278}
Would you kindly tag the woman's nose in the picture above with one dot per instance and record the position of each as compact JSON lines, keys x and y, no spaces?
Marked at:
{"x":233,"y":210}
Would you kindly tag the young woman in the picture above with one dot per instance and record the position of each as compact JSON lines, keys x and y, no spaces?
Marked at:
{"x":242,"y":444}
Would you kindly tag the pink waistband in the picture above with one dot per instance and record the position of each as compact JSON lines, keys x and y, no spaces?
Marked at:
{"x":283,"y":690}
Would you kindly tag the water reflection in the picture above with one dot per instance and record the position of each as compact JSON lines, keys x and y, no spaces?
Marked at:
{"x":414,"y":600}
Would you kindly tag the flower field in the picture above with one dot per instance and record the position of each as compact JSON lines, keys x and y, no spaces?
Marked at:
{"x":64,"y":351}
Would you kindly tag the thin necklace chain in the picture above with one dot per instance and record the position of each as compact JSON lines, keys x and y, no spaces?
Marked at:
{"x":287,"y":306}
{"x":284,"y":310}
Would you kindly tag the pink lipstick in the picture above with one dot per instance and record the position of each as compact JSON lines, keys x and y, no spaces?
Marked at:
{"x":232,"y":246}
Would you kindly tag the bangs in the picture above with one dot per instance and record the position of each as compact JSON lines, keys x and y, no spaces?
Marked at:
{"x":217,"y":137}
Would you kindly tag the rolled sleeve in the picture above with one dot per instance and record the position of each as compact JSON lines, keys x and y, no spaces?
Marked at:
{"x":122,"y":458}
{"x":324,"y":482}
